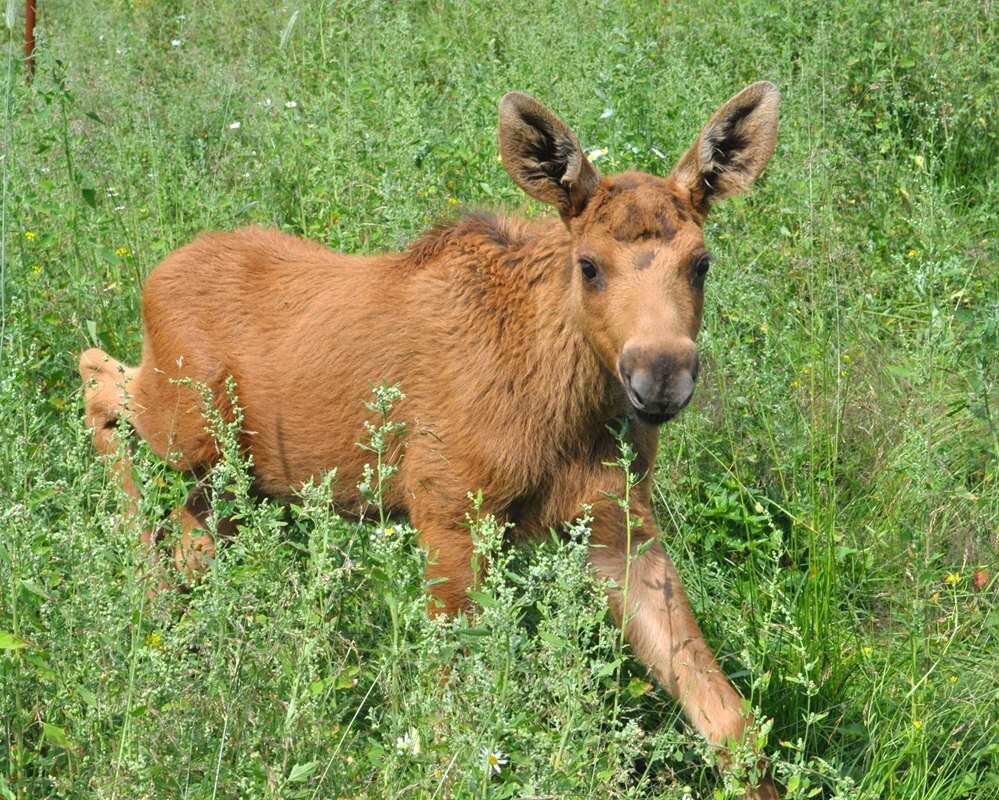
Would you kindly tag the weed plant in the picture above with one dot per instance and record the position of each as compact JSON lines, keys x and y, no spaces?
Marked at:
{"x":830,"y":497}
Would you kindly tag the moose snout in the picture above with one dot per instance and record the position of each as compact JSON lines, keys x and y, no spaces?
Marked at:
{"x":659,"y":383}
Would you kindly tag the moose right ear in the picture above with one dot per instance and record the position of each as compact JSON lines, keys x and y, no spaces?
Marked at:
{"x":543,"y":156}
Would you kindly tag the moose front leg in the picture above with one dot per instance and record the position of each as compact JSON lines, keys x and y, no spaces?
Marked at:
{"x":662,"y":630}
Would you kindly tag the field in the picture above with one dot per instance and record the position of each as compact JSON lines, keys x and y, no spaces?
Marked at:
{"x":831,"y":497}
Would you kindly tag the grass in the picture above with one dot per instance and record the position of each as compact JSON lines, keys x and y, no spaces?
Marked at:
{"x":830,"y":498}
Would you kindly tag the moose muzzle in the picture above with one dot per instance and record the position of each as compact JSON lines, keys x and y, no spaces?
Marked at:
{"x":659,"y":381}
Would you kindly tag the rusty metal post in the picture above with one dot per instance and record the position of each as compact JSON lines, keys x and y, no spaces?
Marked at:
{"x":29,"y":39}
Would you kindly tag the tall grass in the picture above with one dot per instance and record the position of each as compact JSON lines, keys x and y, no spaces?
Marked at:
{"x":830,"y":498}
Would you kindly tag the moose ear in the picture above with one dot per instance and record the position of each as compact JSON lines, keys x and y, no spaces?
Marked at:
{"x":543,"y":156}
{"x":733,"y":147}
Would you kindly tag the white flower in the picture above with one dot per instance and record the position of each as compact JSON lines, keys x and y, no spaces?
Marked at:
{"x":608,"y":112}
{"x":408,"y":744}
{"x":495,"y":760}
{"x":266,"y":102}
{"x":596,"y":153}
{"x":291,"y":104}
{"x":175,"y":42}
{"x":234,"y":126}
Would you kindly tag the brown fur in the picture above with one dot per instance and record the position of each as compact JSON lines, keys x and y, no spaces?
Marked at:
{"x":512,"y":361}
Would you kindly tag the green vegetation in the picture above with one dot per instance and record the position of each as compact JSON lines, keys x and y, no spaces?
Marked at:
{"x":831,"y":497}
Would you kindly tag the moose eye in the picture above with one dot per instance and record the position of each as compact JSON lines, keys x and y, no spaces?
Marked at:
{"x":588,"y":268}
{"x":701,"y":269}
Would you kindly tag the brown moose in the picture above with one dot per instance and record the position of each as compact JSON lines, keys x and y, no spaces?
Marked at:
{"x":516,"y":342}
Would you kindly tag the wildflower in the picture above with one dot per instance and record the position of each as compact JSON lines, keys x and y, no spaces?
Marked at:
{"x":952,"y":579}
{"x":388,"y":530}
{"x":408,"y":743}
{"x":867,"y":650}
{"x":29,"y":235}
{"x":36,"y":268}
{"x":597,"y":152}
{"x":291,"y":104}
{"x":121,"y":252}
{"x":846,"y":358}
{"x":912,"y":253}
{"x":234,"y":125}
{"x":175,"y":42}
{"x":980,"y":579}
{"x":154,"y":640}
{"x":452,"y":201}
{"x":952,"y":678}
{"x":495,"y":760}
{"x":917,"y":724}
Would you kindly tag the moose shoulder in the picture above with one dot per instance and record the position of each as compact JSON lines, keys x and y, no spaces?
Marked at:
{"x":515,"y":342}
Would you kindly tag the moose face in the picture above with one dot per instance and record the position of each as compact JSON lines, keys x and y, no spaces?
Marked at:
{"x":638,"y":257}
{"x":638,"y":288}
{"x":639,"y":262}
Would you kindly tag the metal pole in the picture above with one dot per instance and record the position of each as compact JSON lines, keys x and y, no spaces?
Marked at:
{"x":29,"y":39}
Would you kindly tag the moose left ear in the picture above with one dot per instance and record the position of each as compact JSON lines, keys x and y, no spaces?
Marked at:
{"x":733,"y":147}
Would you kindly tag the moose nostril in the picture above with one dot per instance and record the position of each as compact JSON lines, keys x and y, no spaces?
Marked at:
{"x":642,"y":385}
{"x":683,"y":388}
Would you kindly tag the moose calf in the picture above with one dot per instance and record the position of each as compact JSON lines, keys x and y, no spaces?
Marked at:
{"x":516,"y":343}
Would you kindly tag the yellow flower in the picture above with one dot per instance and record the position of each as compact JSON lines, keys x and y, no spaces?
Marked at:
{"x":952,"y":678}
{"x":29,"y":235}
{"x":154,"y":640}
{"x":452,"y":201}
{"x":917,"y":724}
{"x":867,"y":650}
{"x":36,"y":268}
{"x":121,"y":252}
{"x":952,"y":579}
{"x":912,"y":253}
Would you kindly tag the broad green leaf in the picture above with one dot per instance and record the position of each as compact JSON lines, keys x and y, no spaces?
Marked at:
{"x":8,"y":641}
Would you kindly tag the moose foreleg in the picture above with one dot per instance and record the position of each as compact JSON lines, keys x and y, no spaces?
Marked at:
{"x":648,"y":598}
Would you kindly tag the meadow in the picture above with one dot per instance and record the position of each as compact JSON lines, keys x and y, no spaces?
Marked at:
{"x":831,"y":497}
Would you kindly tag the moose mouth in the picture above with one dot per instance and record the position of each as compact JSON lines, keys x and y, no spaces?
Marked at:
{"x":654,"y":419}
{"x":658,"y":416}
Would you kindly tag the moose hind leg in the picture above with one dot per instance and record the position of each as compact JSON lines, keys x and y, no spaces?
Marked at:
{"x":106,"y":385}
{"x":195,"y":545}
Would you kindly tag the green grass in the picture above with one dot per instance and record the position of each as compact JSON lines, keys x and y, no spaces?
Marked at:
{"x":828,"y":497}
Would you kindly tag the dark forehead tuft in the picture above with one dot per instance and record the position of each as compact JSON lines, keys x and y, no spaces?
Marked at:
{"x":635,"y":206}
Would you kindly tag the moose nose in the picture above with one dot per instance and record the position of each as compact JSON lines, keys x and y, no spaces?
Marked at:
{"x":659,"y":385}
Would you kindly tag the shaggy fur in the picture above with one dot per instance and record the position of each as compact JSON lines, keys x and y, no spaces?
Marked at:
{"x":516,"y":344}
